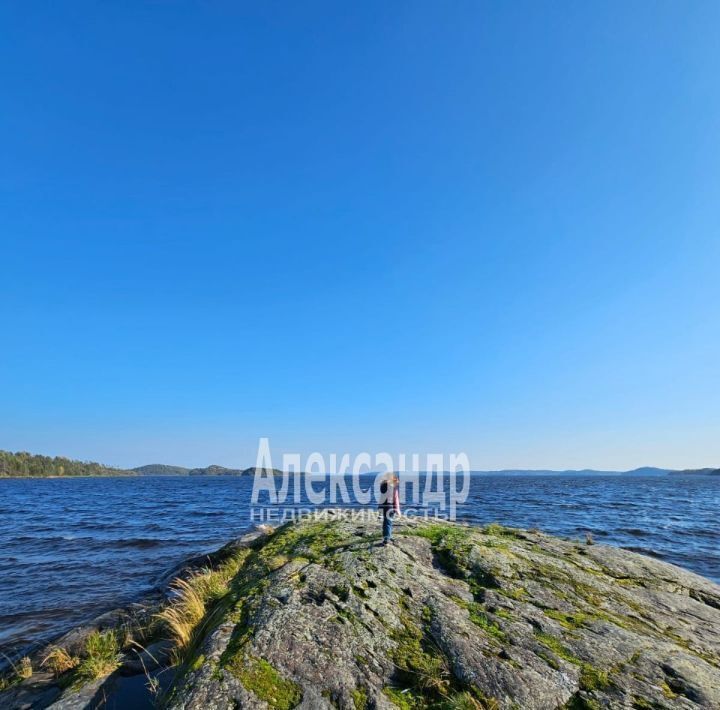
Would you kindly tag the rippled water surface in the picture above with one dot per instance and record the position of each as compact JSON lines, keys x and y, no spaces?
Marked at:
{"x":72,"y":548}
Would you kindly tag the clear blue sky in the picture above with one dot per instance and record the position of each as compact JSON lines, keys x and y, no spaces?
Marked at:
{"x":405,"y":226}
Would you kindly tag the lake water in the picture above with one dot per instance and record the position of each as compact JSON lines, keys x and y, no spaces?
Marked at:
{"x":72,"y":548}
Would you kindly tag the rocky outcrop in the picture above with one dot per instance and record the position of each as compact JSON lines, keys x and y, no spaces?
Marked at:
{"x":318,"y":614}
{"x":321,"y":616}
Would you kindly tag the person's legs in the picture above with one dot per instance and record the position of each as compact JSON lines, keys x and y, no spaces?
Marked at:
{"x":387,"y":526}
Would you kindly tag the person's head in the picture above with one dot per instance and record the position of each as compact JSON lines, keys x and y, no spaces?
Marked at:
{"x":383,"y":487}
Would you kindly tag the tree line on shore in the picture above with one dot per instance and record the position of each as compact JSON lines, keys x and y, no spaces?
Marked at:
{"x":24,"y":464}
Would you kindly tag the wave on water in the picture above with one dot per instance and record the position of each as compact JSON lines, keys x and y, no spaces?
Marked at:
{"x":141,"y":543}
{"x":635,"y":532}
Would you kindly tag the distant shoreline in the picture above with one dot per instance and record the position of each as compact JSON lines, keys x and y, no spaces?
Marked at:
{"x":22,"y":464}
{"x":133,"y":474}
{"x":478,"y":474}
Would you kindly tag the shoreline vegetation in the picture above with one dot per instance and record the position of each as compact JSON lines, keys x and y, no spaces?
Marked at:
{"x":22,"y":464}
{"x":449,"y":617}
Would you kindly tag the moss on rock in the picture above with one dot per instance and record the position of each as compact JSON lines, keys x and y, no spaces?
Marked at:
{"x":263,"y":680}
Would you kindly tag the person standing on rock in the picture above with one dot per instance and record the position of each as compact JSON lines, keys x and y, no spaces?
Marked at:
{"x":389,"y":505}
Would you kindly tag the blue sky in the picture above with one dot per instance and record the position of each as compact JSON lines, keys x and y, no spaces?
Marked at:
{"x":411,"y":226}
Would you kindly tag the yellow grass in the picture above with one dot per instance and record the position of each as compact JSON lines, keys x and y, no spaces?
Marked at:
{"x":193,"y":598}
{"x":25,"y":669}
{"x":59,"y":661}
{"x":183,"y":615}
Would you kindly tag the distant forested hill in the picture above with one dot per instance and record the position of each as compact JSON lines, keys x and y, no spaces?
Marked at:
{"x":161,"y":469}
{"x":22,"y":463}
{"x":216,"y":470}
{"x":28,"y":465}
{"x":697,"y":472}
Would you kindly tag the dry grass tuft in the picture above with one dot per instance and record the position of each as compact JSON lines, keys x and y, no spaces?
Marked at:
{"x":25,"y":669}
{"x":183,"y":615}
{"x":194,"y":597}
{"x":20,"y":672}
{"x":59,"y":661}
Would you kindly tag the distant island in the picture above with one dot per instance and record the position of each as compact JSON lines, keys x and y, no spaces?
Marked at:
{"x":159,"y":469}
{"x":22,"y":464}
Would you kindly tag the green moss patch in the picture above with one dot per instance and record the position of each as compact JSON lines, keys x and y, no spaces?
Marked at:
{"x":197,"y":663}
{"x":500,"y":530}
{"x":403,"y":699}
{"x":480,"y":618}
{"x":360,"y":699}
{"x":419,"y":665}
{"x":314,"y":541}
{"x":264,"y":681}
{"x":581,"y":702}
{"x":557,"y":647}
{"x":592,"y":678}
{"x":569,"y":621}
